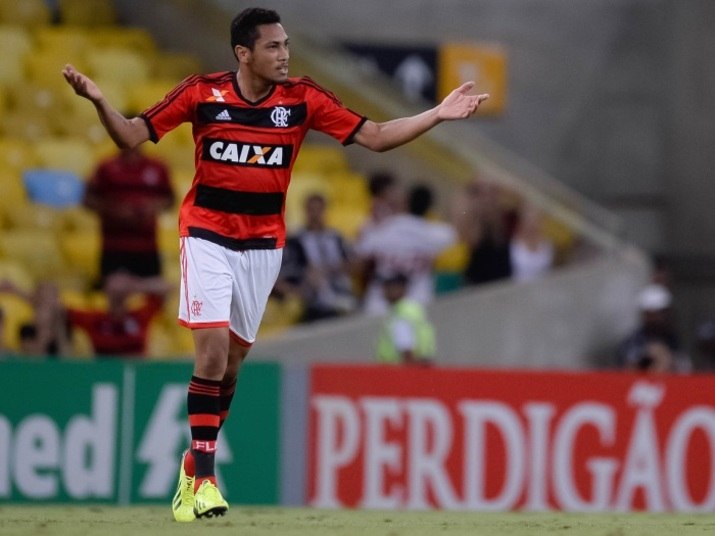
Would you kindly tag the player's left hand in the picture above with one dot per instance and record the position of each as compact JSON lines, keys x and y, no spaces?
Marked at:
{"x":459,"y":104}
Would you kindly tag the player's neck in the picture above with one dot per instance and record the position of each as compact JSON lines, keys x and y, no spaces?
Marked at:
{"x":252,"y":88}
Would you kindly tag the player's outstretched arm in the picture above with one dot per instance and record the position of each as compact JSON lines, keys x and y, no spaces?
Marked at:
{"x":459,"y":104}
{"x":123,"y":131}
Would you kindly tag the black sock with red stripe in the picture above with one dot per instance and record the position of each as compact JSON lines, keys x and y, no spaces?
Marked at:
{"x":228,"y":389}
{"x":204,"y":406}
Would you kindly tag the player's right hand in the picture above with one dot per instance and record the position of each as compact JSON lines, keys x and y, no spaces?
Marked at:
{"x":82,"y":84}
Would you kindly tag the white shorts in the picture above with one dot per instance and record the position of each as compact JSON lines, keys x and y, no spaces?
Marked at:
{"x":225,"y":288}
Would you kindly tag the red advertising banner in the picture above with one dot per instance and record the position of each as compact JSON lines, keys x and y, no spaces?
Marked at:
{"x":401,"y":437}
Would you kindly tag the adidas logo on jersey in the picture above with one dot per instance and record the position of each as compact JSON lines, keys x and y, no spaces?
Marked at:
{"x":224,"y":116}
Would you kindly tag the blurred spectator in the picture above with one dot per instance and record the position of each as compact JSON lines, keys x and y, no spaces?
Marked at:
{"x":385,"y":199}
{"x":531,"y":253}
{"x":705,"y":346}
{"x":316,"y":266}
{"x":4,"y":350}
{"x":120,"y":331}
{"x":128,"y":192}
{"x":407,"y":243}
{"x":406,"y":336}
{"x":655,"y":345}
{"x":486,"y":226}
{"x":49,"y":333}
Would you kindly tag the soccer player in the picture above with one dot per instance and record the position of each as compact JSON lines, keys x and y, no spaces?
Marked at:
{"x":248,"y":126}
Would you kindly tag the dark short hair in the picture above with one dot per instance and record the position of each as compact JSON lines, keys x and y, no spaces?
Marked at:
{"x":379,"y":182}
{"x":420,"y":200}
{"x":244,"y":27}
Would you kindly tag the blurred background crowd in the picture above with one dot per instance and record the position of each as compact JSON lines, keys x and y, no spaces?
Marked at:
{"x":89,"y":253}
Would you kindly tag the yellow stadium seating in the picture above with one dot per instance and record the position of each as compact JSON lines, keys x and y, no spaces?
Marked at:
{"x":319,"y":158}
{"x":177,"y":157}
{"x":12,"y":192}
{"x":29,"y":13}
{"x":123,"y":37}
{"x":175,"y":65}
{"x":145,"y":94}
{"x":350,"y":188}
{"x":87,"y":12}
{"x":16,"y":154}
{"x":15,"y":40}
{"x":37,"y":250}
{"x":71,"y":40}
{"x":79,"y":219}
{"x":44,"y":67}
{"x":453,"y":259}
{"x":68,"y":154}
{"x":123,"y":66}
{"x":30,"y":125}
{"x":12,"y":68}
{"x":32,"y":98}
{"x":15,"y":44}
{"x":34,"y":216}
{"x":346,"y":219}
{"x":81,"y":250}
{"x":168,"y":237}
{"x":15,"y":273}
{"x":17,"y":312}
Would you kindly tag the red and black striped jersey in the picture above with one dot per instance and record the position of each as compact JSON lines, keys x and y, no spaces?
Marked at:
{"x":245,"y":152}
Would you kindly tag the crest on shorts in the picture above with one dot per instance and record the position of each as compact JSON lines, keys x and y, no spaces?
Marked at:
{"x":196,"y":306}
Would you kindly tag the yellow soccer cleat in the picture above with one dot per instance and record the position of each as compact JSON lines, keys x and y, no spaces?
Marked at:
{"x":183,"y":503}
{"x":208,"y":501}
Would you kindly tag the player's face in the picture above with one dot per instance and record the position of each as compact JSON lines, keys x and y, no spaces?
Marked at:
{"x":269,"y":57}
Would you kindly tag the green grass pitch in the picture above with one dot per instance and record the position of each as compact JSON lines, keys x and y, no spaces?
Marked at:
{"x":249,"y":521}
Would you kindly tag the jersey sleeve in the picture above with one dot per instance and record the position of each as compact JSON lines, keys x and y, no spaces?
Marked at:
{"x":175,"y":108}
{"x":331,"y":116}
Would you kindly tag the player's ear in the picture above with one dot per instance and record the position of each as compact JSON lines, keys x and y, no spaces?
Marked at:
{"x":241,"y":52}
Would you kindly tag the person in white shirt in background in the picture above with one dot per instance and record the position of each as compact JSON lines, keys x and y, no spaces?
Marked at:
{"x":531,"y":252}
{"x":408,"y":243}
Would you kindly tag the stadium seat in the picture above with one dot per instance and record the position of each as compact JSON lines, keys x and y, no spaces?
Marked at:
{"x":54,"y":187}
{"x":34,"y":216}
{"x":145,"y":94}
{"x":86,"y":13}
{"x":12,"y":191}
{"x":66,"y":154}
{"x":26,"y":125}
{"x":29,"y":13}
{"x":160,"y":340}
{"x":122,"y":37}
{"x":175,"y":65}
{"x":78,"y":218}
{"x":15,"y":44}
{"x":17,"y":312}
{"x":37,"y":250}
{"x":15,"y":40}
{"x":33,"y":99}
{"x":123,"y":66}
{"x":72,"y":41}
{"x":15,"y":273}
{"x":350,"y":188}
{"x":168,"y":237}
{"x":323,"y":159}
{"x":12,"y":69}
{"x":44,"y":67}
{"x":453,"y":259}
{"x":16,"y":154}
{"x":346,"y":219}
{"x":81,"y":250}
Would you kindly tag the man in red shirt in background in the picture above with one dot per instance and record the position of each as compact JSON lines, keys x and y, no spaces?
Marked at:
{"x":128,"y":192}
{"x":121,"y":331}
